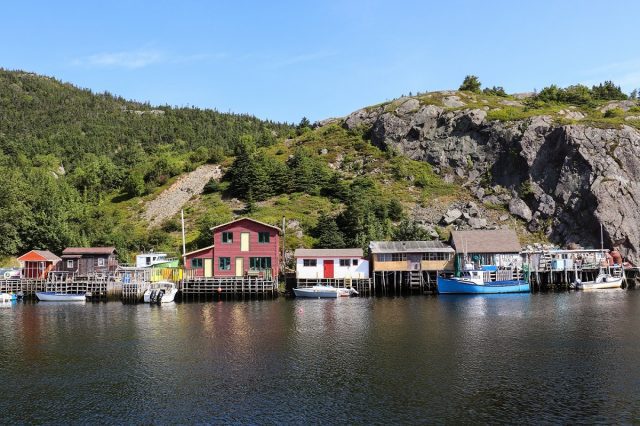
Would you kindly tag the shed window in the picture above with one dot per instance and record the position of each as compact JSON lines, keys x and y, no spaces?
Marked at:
{"x":224,"y":263}
{"x":101,"y":261}
{"x":436,"y":256}
{"x":196,"y":263}
{"x":392,"y":257}
{"x":227,"y":237}
{"x":260,"y":262}
{"x":309,"y":262}
{"x":355,"y":262}
{"x":263,"y":237}
{"x":345,"y":262}
{"x":69,"y":263}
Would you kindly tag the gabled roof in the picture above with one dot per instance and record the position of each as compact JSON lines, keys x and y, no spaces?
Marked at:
{"x":198,"y":250}
{"x":409,"y":247}
{"x":347,"y":252}
{"x":88,"y":250}
{"x":486,"y":241}
{"x":246,"y":218}
{"x":39,"y":256}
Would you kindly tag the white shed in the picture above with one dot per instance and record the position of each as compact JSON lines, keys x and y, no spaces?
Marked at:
{"x":331,"y":263}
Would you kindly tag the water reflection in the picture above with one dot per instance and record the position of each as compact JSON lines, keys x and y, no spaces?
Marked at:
{"x":568,"y":357}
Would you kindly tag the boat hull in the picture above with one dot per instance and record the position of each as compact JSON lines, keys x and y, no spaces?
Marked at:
{"x":594,"y":285}
{"x":50,"y":296}
{"x":7,"y":297}
{"x":323,"y":292}
{"x":168,"y":296}
{"x":455,"y":286}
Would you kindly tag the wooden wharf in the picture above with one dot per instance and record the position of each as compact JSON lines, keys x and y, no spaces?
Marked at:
{"x":199,"y":288}
{"x":364,"y":286}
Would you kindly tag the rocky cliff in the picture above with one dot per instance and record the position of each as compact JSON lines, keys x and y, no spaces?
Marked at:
{"x":562,"y":180}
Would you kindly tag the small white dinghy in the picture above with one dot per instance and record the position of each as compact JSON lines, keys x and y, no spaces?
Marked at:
{"x":8,"y":297}
{"x":161,"y":292}
{"x":53,"y":296}
{"x":602,"y":281}
{"x":324,"y":291}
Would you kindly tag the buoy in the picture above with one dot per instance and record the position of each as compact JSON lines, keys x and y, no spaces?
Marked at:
{"x":219,"y":289}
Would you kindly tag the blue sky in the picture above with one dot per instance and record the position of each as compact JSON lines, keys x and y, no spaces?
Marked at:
{"x":283,"y":60}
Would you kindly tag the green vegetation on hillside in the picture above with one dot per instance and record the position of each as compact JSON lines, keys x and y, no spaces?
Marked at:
{"x":72,"y":159}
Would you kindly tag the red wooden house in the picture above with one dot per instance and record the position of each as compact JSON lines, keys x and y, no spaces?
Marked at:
{"x":199,"y":263}
{"x":243,"y":247}
{"x":37,"y":264}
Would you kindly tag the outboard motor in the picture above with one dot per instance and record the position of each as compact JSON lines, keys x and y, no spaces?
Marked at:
{"x":152,"y":297}
{"x":159,"y":296}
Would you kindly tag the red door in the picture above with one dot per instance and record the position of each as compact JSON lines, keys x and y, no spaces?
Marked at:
{"x":328,"y":268}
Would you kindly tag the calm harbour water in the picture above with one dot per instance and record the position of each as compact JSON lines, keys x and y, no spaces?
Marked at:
{"x":567,"y":357}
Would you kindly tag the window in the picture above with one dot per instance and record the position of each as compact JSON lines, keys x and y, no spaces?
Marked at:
{"x":392,"y":257}
{"x":259,"y":262}
{"x":263,"y":237}
{"x":69,"y":263}
{"x":101,"y":261}
{"x":227,"y":237}
{"x":224,"y":263}
{"x":309,"y":262}
{"x":345,"y":262}
{"x":436,"y":256}
{"x":355,"y":262}
{"x":196,"y":263}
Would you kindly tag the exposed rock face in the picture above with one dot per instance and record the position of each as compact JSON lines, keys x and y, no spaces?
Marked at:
{"x":562,"y":180}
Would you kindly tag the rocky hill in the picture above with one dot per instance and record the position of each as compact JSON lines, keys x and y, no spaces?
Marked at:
{"x":564,"y":171}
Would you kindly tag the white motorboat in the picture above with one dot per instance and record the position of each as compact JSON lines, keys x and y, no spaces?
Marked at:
{"x":8,"y":297}
{"x":161,"y":292}
{"x":602,"y":281}
{"x":53,"y":296}
{"x":323,"y":291}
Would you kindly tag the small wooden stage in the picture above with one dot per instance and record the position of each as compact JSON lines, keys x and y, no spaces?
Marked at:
{"x":204,"y":288}
{"x":364,"y":286}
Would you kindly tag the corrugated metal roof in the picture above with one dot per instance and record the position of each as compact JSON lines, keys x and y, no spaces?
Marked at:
{"x":347,"y":252}
{"x":487,"y":241}
{"x":88,"y":250}
{"x":409,"y":247}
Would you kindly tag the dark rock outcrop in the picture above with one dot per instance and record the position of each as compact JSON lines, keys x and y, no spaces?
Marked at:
{"x":563,"y":180}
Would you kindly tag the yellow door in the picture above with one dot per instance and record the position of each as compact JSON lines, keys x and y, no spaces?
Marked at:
{"x":244,"y":241}
{"x":208,"y":267}
{"x":239,"y":266}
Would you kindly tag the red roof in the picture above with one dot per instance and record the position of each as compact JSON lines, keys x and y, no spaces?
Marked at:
{"x":88,"y":250}
{"x":39,"y":256}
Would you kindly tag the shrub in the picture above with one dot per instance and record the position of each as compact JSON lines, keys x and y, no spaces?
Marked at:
{"x":471,"y":83}
{"x":614,"y":113}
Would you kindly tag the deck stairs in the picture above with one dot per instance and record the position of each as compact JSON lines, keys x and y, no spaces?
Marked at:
{"x":415,"y":279}
{"x":544,"y":263}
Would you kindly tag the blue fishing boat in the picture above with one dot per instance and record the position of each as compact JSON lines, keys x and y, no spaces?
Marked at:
{"x":478,"y":281}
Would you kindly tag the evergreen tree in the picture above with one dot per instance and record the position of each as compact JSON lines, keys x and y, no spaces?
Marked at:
{"x":410,"y":230}
{"x":471,"y":83}
{"x":328,"y":233}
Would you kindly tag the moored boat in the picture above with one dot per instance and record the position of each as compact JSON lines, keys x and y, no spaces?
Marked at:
{"x":473,"y":282}
{"x":161,"y":292}
{"x":8,"y":297}
{"x":602,"y":281}
{"x":53,"y":296}
{"x":324,"y":291}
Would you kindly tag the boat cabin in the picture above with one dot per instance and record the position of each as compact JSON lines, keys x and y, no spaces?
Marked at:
{"x":37,"y":264}
{"x":336,"y":264}
{"x":149,"y":260}
{"x":85,"y":261}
